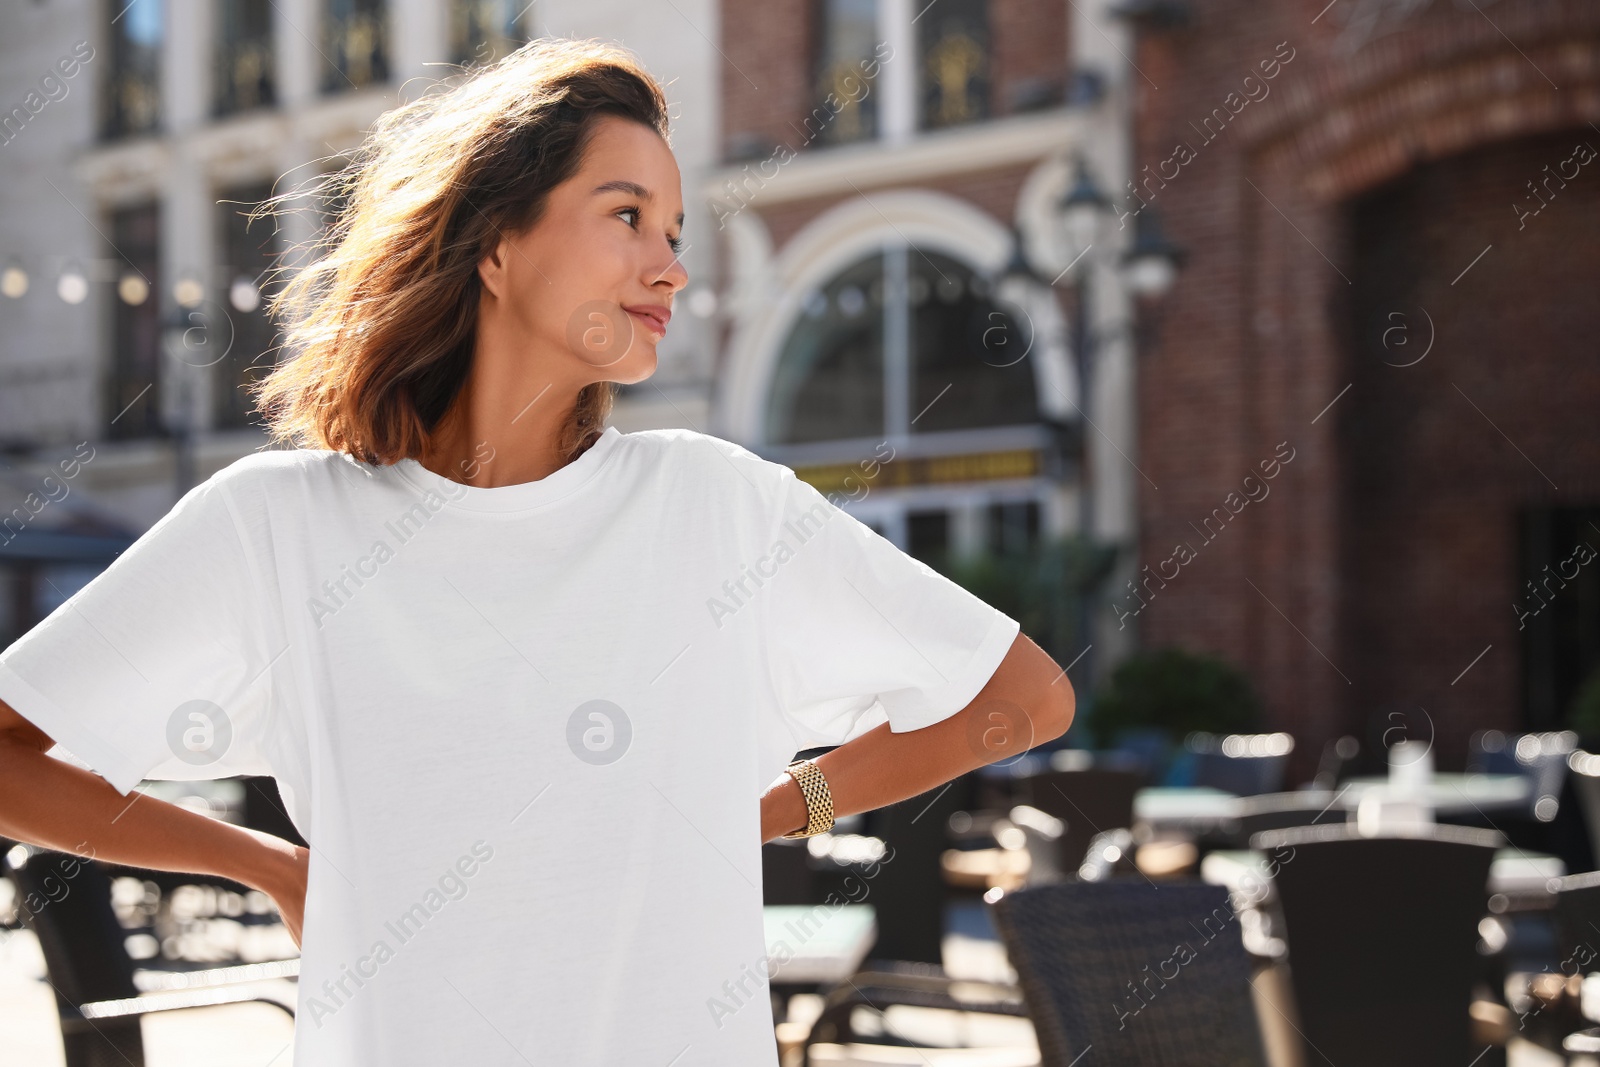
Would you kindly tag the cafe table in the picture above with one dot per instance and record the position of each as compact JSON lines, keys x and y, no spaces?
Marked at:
{"x":1453,"y":794}
{"x":1513,"y":872}
{"x":817,"y":944}
{"x":1195,"y":809}
{"x":1198,"y":810}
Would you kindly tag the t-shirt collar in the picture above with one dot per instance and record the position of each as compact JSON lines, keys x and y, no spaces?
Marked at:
{"x":522,"y":495}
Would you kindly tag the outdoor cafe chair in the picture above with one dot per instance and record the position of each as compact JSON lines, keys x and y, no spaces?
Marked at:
{"x":909,"y":891}
{"x":1099,"y":968}
{"x":1584,"y":768}
{"x":1242,"y":764}
{"x":1338,"y":756}
{"x":1089,"y":802}
{"x":1577,"y":922}
{"x":835,"y":1039}
{"x":1548,"y":1003}
{"x":66,"y":901}
{"x":1143,"y":976}
{"x":1382,"y":937}
{"x":1542,"y":758}
{"x":1277,"y":811}
{"x":787,"y":873}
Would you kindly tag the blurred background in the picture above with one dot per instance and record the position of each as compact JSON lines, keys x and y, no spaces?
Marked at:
{"x":1244,"y":352}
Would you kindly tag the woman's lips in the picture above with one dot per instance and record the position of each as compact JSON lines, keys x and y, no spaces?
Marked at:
{"x":651,"y":322}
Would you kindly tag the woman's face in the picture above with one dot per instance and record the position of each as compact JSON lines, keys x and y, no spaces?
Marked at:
{"x":583,"y":295}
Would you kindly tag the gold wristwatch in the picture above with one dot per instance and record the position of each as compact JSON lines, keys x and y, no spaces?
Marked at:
{"x":819,"y":801}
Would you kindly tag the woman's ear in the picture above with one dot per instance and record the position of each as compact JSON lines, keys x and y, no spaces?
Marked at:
{"x":492,"y":267}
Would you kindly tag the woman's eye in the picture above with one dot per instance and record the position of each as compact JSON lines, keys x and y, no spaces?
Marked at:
{"x":674,"y":243}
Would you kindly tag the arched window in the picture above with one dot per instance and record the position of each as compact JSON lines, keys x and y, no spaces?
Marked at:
{"x":903,"y":341}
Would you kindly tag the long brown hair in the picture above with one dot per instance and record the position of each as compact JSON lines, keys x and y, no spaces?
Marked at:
{"x":383,"y":318}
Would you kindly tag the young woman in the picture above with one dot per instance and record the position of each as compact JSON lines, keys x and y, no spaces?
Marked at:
{"x":522,"y":679}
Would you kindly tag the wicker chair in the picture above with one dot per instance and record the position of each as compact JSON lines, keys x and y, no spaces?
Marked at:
{"x":1144,"y":976}
{"x":1098,"y":967}
{"x":1382,"y":935}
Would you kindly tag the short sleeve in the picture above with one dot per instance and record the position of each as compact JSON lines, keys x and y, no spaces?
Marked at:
{"x":857,"y":632}
{"x":155,"y":668}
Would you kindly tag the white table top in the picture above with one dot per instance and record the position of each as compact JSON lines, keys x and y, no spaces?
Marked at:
{"x":1245,"y":872}
{"x":1448,"y":793}
{"x":1166,"y":804}
{"x":1456,"y":794}
{"x":817,"y":942}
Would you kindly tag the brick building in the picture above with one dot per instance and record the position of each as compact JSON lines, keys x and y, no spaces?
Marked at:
{"x":1391,"y":212}
{"x":885,"y":161}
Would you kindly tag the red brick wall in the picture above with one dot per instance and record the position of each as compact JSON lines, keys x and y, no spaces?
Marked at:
{"x":766,"y":68}
{"x":994,"y":191}
{"x":1380,"y":564}
{"x":1029,"y":41}
{"x":1443,"y":454}
{"x":767,"y":47}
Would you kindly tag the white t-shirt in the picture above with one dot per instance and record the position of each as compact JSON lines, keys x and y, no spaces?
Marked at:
{"x":525,"y":729}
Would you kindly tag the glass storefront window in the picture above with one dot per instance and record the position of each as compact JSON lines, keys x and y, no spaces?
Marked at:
{"x":953,"y":55}
{"x":354,"y":44}
{"x":243,"y":76}
{"x":844,"y":67}
{"x":957,"y":362}
{"x":483,"y":31}
{"x":132,"y":391}
{"x":968,"y":367}
{"x":131,"y":92}
{"x":829,"y":381}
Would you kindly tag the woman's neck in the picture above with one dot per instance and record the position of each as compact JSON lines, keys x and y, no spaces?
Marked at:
{"x":489,"y":449}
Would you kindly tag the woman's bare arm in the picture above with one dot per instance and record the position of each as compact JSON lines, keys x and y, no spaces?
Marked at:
{"x":1028,"y":701}
{"x":48,"y":802}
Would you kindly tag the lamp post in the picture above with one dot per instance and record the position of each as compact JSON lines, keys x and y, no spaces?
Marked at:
{"x":189,"y":347}
{"x":1149,"y":267}
{"x":1151,"y":263}
{"x":1078,"y":217}
{"x":178,"y":397}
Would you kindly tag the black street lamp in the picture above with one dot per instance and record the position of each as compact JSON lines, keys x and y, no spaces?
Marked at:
{"x":178,"y":418}
{"x":1149,"y":268}
{"x":1080,"y":211}
{"x":190,"y":340}
{"x":1151,"y":264}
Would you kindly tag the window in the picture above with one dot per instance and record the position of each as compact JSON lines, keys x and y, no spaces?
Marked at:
{"x":953,"y":47}
{"x":829,"y":381}
{"x":933,"y":355}
{"x":354,"y":43}
{"x":483,"y":31}
{"x":1013,"y":527}
{"x":845,"y":107}
{"x":248,"y":248}
{"x":243,"y":63}
{"x":132,"y":88}
{"x":928,"y":536}
{"x":968,"y":369}
{"x":132,"y":396}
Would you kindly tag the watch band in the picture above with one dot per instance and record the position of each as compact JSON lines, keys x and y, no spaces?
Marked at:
{"x":819,"y":801}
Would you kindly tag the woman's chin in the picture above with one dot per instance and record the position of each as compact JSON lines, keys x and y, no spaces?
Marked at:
{"x":637,"y":365}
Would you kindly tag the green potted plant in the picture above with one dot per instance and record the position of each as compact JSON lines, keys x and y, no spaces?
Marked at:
{"x":1583,"y":714}
{"x":1044,"y":588}
{"x":1157,"y":697}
